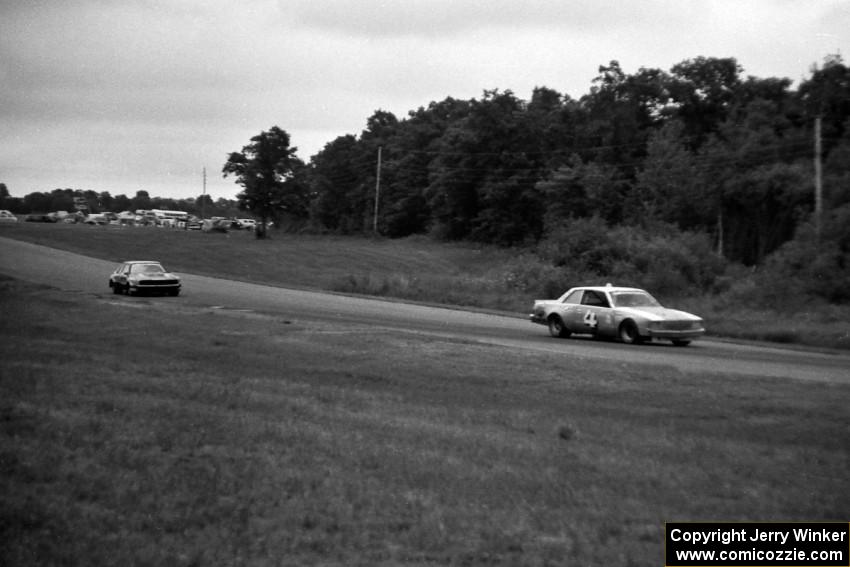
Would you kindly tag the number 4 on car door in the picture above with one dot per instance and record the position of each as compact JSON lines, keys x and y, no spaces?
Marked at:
{"x":590,"y":319}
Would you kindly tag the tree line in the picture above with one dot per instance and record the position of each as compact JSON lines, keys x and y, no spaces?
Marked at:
{"x":697,"y":154}
{"x":699,"y":149}
{"x":70,"y":200}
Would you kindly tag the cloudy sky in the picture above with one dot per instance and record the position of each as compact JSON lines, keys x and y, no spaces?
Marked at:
{"x":129,"y":95}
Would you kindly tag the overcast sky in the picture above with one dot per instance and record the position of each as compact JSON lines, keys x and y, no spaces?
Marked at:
{"x":122,"y":96}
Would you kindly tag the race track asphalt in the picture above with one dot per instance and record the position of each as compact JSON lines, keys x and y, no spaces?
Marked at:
{"x":83,"y":274}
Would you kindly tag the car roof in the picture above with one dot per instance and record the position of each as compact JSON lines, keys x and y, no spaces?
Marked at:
{"x":608,"y":288}
{"x":142,"y":262}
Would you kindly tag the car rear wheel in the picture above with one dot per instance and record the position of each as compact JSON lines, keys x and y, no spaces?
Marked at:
{"x":629,"y":333}
{"x":557,"y":328}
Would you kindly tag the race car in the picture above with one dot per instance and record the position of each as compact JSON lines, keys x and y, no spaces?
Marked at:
{"x":627,"y":313}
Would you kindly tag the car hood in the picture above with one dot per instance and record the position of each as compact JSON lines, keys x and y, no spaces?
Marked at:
{"x":658,"y":313}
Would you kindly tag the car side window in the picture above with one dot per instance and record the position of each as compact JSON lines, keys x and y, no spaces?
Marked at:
{"x":574,"y":297}
{"x":594,"y":299}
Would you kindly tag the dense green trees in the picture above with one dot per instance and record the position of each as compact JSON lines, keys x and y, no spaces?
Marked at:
{"x":699,"y":147}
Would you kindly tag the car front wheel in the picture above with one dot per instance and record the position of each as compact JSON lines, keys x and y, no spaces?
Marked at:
{"x":557,"y":328}
{"x":629,"y":333}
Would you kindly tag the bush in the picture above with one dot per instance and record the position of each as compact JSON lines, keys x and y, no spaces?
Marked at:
{"x":581,"y":244}
{"x":809,"y":269}
{"x":527,"y":273}
{"x":666,"y":261}
{"x":674,"y":263}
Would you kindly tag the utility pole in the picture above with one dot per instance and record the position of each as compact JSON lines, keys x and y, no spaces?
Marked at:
{"x":720,"y":230}
{"x":377,"y":192}
{"x":818,"y":179}
{"x":204,"y":194}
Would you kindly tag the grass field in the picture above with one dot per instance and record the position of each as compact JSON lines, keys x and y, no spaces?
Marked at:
{"x":145,"y":432}
{"x":410,"y":268}
{"x":414,"y":269}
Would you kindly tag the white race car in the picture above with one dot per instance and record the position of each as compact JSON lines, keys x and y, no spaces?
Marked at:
{"x":629,"y":313}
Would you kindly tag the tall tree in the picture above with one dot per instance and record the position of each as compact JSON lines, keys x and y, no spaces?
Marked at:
{"x":204,"y":206}
{"x":409,"y":162}
{"x":121,"y":203}
{"x":755,"y":174}
{"x":620,"y":112}
{"x":482,"y":182}
{"x":703,"y":90}
{"x":265,"y":169}
{"x":578,"y":190}
{"x":336,"y":178}
{"x":4,"y":195}
{"x":827,"y":95}
{"x":142,"y":200}
{"x":667,"y":186}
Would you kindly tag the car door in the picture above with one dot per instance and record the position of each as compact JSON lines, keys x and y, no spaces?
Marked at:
{"x":573,"y":312}
{"x":593,"y":310}
{"x":601,"y":313}
{"x":566,"y":309}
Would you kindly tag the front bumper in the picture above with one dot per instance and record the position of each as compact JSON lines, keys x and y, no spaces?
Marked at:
{"x":538,"y":318}
{"x":146,"y":287}
{"x":673,"y":334}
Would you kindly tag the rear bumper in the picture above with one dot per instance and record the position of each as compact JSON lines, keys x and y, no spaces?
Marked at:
{"x":537,"y":318}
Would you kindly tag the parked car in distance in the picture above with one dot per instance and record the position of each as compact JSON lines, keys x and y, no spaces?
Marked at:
{"x":144,"y":276}
{"x":37,"y":217}
{"x":215,"y":224}
{"x":247,"y":224}
{"x":627,"y":313}
{"x":98,"y":220}
{"x":7,"y":216}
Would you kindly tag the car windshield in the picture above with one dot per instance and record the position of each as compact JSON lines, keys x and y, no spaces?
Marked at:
{"x":634,"y":299}
{"x":149,"y":269}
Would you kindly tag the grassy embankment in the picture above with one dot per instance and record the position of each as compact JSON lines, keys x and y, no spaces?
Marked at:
{"x":129,"y":436}
{"x":413,"y":269}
